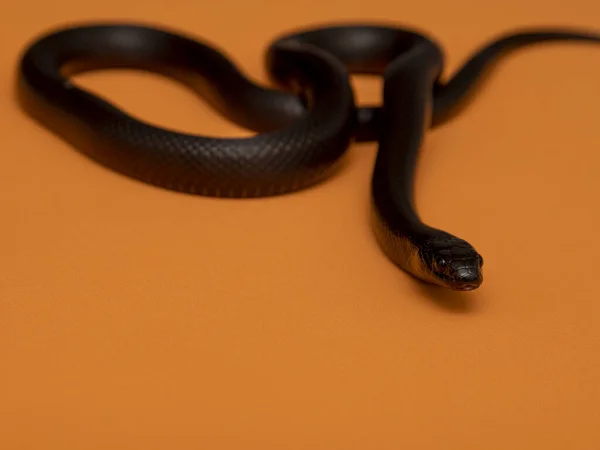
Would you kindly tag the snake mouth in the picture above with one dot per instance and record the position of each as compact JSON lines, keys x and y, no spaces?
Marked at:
{"x":467,"y":286}
{"x":466,"y":279}
{"x":459,"y":285}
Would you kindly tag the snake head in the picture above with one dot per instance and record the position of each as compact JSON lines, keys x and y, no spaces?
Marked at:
{"x":453,"y":263}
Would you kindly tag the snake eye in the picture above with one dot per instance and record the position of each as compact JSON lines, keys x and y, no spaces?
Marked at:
{"x":439,"y":264}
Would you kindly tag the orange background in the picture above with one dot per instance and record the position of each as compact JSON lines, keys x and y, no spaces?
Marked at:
{"x":136,"y":318}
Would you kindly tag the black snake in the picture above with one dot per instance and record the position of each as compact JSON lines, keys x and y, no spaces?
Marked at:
{"x":302,"y":130}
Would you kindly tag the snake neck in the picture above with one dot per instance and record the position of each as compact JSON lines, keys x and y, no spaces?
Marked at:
{"x":405,"y":118}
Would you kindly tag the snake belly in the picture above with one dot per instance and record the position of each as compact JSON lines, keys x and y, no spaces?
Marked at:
{"x":303,"y":128}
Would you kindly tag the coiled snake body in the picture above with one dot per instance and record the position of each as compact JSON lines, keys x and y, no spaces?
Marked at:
{"x":303,"y":130}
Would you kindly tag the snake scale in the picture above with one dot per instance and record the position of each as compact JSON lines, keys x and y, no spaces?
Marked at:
{"x":303,"y":126}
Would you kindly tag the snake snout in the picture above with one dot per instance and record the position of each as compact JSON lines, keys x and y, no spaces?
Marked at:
{"x":466,"y":274}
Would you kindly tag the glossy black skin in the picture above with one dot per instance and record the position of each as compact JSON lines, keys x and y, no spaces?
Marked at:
{"x":303,"y":129}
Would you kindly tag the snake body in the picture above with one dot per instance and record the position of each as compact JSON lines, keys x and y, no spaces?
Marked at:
{"x":302,"y":130}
